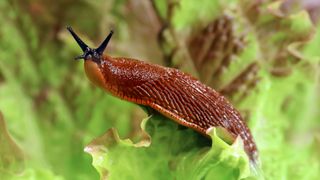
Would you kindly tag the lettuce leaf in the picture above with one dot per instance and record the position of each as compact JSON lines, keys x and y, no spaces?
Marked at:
{"x":169,"y":153}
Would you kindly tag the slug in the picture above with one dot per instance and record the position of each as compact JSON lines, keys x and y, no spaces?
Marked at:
{"x":169,"y":91}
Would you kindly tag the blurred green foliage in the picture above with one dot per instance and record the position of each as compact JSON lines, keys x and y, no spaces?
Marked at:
{"x":51,"y":112}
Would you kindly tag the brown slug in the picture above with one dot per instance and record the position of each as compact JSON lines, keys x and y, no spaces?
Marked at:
{"x":169,"y":91}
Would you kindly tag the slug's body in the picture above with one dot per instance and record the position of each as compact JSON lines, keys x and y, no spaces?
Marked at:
{"x":169,"y":91}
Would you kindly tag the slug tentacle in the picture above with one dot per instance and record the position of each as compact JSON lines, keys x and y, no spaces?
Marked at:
{"x":104,"y":44}
{"x":82,"y":45}
{"x":89,"y":53}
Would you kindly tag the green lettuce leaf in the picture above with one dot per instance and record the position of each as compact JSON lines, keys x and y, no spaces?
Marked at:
{"x":169,"y":153}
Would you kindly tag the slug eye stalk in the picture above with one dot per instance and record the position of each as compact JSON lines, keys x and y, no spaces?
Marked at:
{"x":104,"y":44}
{"x":82,"y":45}
{"x":90,"y":53}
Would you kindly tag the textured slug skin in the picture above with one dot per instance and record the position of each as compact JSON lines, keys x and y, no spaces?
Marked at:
{"x":171,"y":92}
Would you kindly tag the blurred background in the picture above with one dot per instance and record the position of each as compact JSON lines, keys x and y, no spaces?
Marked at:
{"x":263,"y":55}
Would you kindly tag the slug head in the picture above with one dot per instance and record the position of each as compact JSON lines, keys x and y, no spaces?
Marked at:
{"x":90,"y":53}
{"x":93,"y":59}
